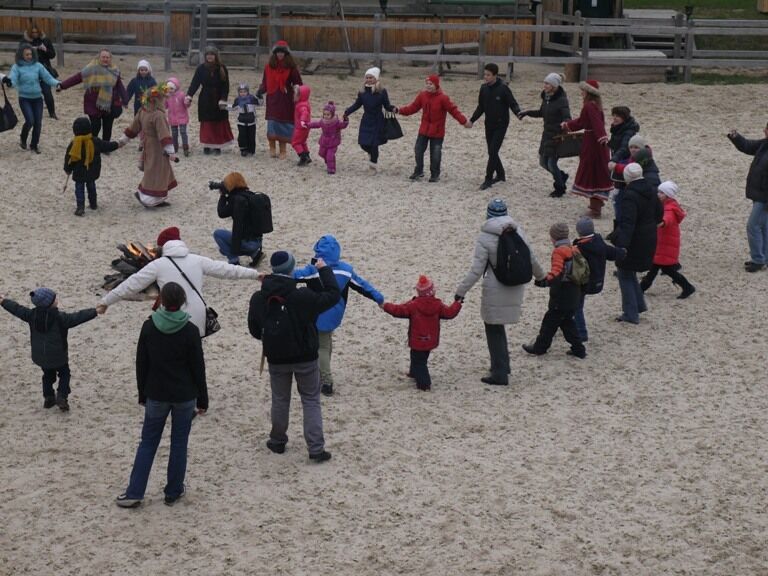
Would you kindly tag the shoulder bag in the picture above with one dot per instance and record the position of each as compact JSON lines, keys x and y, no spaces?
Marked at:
{"x":8,"y":119}
{"x":211,"y":317}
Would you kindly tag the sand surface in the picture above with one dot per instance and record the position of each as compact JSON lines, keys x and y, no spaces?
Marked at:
{"x":648,"y":458}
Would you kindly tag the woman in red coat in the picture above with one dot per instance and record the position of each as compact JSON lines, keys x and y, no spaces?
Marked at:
{"x":593,"y":180}
{"x":667,"y":257}
{"x":435,"y":106}
{"x":424,"y":312}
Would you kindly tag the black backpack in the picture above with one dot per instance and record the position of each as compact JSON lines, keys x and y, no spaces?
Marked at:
{"x":259,"y":213}
{"x":280,"y":335}
{"x":513,"y":259}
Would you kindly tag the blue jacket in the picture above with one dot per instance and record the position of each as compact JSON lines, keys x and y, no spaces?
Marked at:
{"x":372,"y":123}
{"x":26,"y":76}
{"x":329,"y":250}
{"x":136,"y":87}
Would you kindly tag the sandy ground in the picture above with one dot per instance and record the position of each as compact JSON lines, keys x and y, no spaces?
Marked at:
{"x":649,"y":457}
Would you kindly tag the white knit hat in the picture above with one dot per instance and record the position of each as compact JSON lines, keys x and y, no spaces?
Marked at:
{"x":375,"y":72}
{"x":669,"y":189}
{"x":144,"y":64}
{"x":638,"y":141}
{"x":553,"y":79}
{"x":633,"y":172}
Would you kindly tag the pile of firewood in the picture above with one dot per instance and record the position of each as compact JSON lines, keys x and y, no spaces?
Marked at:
{"x":133,"y":258}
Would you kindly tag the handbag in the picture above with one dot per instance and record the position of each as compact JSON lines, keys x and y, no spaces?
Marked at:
{"x":392,"y":128}
{"x":211,"y":317}
{"x":8,"y":119}
{"x":568,"y":145}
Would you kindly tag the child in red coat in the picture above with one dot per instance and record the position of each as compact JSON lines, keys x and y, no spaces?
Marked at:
{"x":667,"y":257}
{"x":424,"y":313}
{"x":302,"y":116}
{"x":435,"y":106}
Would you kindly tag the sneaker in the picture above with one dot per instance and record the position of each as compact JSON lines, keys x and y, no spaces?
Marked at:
{"x":49,"y":402}
{"x":326,"y":389}
{"x":63,"y":404}
{"x":320,"y":457}
{"x":753,"y":267}
{"x":124,"y":502}
{"x":372,"y":167}
{"x":275,"y":447}
{"x":416,"y":175}
{"x":557,"y":193}
{"x":532,"y":350}
{"x":256,"y":258}
{"x":581,"y":355}
{"x":171,"y":500}
{"x":492,"y":381}
{"x":498,"y":179}
{"x":686,"y":292}
{"x":486,"y":184}
{"x":80,"y":210}
{"x":434,"y":178}
{"x":35,"y":149}
{"x":163,"y":204}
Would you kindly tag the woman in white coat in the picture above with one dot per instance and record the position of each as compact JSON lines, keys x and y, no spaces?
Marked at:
{"x":499,"y":304}
{"x":162,"y":270}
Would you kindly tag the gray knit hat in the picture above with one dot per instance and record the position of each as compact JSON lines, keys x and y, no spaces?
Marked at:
{"x":638,"y":141}
{"x":559,"y":231}
{"x":496,"y":207}
{"x":282,"y":262}
{"x":585,"y":226}
{"x":43,"y":297}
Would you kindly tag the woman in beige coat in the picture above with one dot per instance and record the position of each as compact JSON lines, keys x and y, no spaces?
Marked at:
{"x":499,"y":304}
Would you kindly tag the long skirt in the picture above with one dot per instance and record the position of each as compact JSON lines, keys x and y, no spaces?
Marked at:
{"x":280,"y":131}
{"x":216,"y":134}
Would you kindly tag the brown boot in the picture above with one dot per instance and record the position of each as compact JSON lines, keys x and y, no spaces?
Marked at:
{"x":282,"y":150}
{"x":272,"y":149}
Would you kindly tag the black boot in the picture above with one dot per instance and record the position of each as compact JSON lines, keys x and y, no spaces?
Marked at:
{"x":302,"y":159}
{"x":687,"y":287}
{"x":645,"y":283}
{"x":80,"y":210}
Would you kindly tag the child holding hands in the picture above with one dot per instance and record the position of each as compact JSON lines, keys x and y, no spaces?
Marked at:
{"x":330,"y":138}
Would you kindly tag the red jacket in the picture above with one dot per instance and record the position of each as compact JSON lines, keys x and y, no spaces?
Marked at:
{"x":668,"y":235}
{"x":435,"y":106}
{"x":424,"y":313}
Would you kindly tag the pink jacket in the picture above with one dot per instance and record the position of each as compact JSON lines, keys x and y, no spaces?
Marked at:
{"x":331,"y":131}
{"x":302,"y":113}
{"x":178,"y":113}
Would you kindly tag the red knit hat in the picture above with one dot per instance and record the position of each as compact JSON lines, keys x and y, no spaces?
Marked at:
{"x":435,"y":79}
{"x":425,"y":287}
{"x":171,"y":233}
{"x":281,"y":46}
{"x":591,"y":87}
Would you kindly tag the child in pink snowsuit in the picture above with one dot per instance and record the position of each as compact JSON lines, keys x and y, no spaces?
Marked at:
{"x":330,"y":139}
{"x":302,"y":116}
{"x":178,"y":114}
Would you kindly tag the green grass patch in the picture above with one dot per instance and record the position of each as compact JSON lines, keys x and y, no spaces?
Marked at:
{"x":734,"y":9}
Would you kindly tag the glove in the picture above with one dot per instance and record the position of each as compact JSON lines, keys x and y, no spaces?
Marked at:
{"x":621,"y":255}
{"x":457,"y":298}
{"x":541,"y":283}
{"x":7,"y":81}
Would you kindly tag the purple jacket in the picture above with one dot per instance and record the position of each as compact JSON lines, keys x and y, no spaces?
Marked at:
{"x":119,"y":95}
{"x":331,"y":135}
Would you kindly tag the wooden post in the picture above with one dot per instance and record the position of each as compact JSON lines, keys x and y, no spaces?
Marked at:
{"x":585,"y":52}
{"x":689,"y":42}
{"x":537,"y":39}
{"x":438,"y":64}
{"x":59,"y":37}
{"x":203,"y":31}
{"x":377,"y":39}
{"x":510,"y":64}
{"x":575,"y":35}
{"x":167,"y":37}
{"x":481,"y":48}
{"x":677,"y":50}
{"x":274,"y":33}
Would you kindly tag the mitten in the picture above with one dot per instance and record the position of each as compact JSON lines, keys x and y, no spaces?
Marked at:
{"x":541,"y":283}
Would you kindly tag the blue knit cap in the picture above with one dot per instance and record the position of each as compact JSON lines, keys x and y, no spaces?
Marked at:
{"x":42,"y":297}
{"x":496,"y":207}
{"x":282,"y":262}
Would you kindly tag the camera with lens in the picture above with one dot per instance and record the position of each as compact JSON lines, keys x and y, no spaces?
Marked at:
{"x":214,"y":185}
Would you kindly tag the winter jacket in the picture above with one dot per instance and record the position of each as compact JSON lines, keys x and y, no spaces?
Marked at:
{"x":554,"y":110}
{"x":668,"y":235}
{"x":635,"y":230}
{"x":329,"y":250}
{"x":43,"y":56}
{"x":495,"y":101}
{"x":26,"y":76}
{"x":435,"y":107}
{"x":246,"y":108}
{"x":499,"y":304}
{"x":304,"y":306}
{"x":372,"y":123}
{"x":119,"y":96}
{"x":48,"y":328}
{"x":563,"y":295}
{"x":162,"y":271}
{"x":90,"y":174}
{"x":136,"y":88}
{"x":330,"y":131}
{"x":620,"y":137}
{"x":596,"y":252}
{"x":302,"y":114}
{"x":757,"y":178}
{"x":237,"y":206}
{"x":215,"y":89}
{"x":170,"y":366}
{"x":424,"y":314}
{"x":648,"y":164}
{"x":177,"y":107}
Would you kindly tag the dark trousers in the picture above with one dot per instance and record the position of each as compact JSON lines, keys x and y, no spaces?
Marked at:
{"x":564,"y":320}
{"x":102,"y":122}
{"x":419,"y":369}
{"x":672,"y":271}
{"x":182,"y":129}
{"x":496,"y":336}
{"x":49,"y":379}
{"x":435,"y":154}
{"x":50,"y":103}
{"x":80,"y":188}
{"x":494,"y":137}
{"x":32,"y":109}
{"x":246,"y":138}
{"x":549,"y":163}
{"x":373,"y":152}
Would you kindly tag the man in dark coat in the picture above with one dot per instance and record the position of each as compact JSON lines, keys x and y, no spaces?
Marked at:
{"x":641,"y":211}
{"x":757,"y":191}
{"x":284,"y":318}
{"x":495,"y":101}
{"x":623,"y":127}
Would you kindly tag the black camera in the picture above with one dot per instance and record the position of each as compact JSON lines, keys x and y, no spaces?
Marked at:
{"x":213,"y":185}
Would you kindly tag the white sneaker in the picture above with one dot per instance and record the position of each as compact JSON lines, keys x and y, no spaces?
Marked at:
{"x":372,"y":167}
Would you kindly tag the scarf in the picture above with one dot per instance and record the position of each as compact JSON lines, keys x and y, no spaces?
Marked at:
{"x":276,"y":78}
{"x":101,"y":78}
{"x":82,"y":149}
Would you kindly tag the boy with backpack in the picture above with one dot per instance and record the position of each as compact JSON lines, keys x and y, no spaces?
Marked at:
{"x":568,"y":273}
{"x":284,"y":318}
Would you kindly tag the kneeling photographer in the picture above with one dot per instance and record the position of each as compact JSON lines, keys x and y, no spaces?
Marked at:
{"x":251,"y":215}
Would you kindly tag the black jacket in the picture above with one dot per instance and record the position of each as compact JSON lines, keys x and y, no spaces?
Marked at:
{"x":215,"y":89}
{"x":171,"y":367}
{"x":304,"y":305}
{"x":554,"y":110}
{"x":43,"y":56}
{"x":48,"y":328}
{"x":78,"y":170}
{"x":596,"y":252}
{"x":757,"y":179}
{"x":245,"y":225}
{"x":640,"y":212}
{"x":620,"y":136}
{"x":495,"y":101}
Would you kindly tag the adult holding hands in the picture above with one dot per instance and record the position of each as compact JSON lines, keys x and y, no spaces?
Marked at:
{"x":212,"y":79}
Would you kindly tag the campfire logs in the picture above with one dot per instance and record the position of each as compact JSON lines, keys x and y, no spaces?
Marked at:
{"x":133,"y":258}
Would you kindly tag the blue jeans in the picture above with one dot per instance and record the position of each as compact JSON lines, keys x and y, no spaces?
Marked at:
{"x":80,"y":192}
{"x":549,"y":163}
{"x":581,"y":323}
{"x":435,"y":154}
{"x":32,"y":109}
{"x":223,"y":240}
{"x":155,"y":415}
{"x":757,"y":233}
{"x":632,"y":299}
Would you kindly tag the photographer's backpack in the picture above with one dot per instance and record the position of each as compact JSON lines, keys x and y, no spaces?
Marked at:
{"x":513,"y":259}
{"x":260,"y":212}
{"x":280,"y":336}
